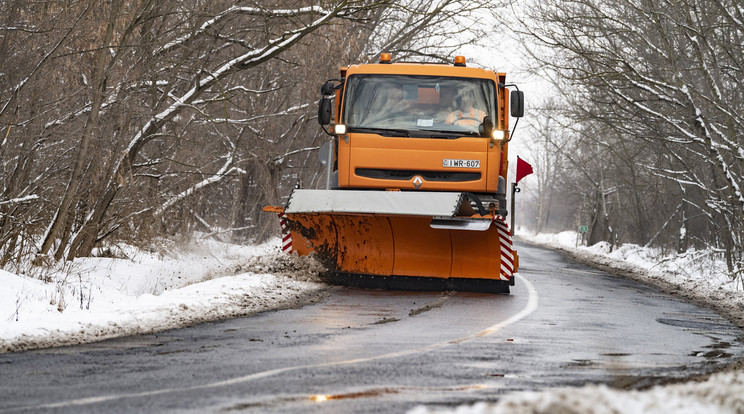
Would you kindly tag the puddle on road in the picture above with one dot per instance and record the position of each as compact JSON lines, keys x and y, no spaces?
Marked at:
{"x":368,"y":393}
{"x":716,"y":351}
{"x":698,"y":325}
{"x":319,"y":398}
{"x":386,"y":320}
{"x":580,"y":363}
{"x":711,"y":328}
{"x":713,"y":354}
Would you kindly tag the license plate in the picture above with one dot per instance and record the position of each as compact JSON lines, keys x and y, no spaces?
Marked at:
{"x":461,"y":163}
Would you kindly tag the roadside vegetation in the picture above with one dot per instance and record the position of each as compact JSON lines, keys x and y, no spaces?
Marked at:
{"x":131,"y":120}
{"x":642,"y":140}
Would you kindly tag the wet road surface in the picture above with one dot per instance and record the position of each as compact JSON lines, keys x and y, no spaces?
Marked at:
{"x":380,"y":351}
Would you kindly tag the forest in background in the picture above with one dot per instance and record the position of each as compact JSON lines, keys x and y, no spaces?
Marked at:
{"x":128,"y":120}
{"x":643,"y":140}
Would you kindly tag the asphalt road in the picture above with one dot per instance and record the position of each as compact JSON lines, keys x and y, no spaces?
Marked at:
{"x":382,"y":351}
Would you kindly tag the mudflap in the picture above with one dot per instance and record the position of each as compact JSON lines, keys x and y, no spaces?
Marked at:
{"x":404,"y":252}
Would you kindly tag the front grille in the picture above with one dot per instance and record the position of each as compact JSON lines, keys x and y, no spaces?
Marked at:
{"x":405,"y":175}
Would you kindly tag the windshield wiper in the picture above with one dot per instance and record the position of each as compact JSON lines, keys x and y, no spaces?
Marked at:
{"x":385,"y":132}
{"x":453,"y":133}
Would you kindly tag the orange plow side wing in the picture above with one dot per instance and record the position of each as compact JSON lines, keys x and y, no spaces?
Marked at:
{"x":385,"y":245}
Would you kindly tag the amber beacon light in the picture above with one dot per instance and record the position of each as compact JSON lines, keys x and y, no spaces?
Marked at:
{"x":385,"y":58}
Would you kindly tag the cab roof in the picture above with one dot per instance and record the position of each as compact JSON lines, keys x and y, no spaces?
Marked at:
{"x":425,"y":69}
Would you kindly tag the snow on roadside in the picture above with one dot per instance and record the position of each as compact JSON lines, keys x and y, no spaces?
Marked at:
{"x":721,"y":394}
{"x":98,"y":298}
{"x":695,"y":275}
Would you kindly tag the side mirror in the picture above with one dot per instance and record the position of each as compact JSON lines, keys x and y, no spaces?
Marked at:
{"x":486,"y":127}
{"x":324,"y":111}
{"x":325,"y":108}
{"x":517,"y":104}
{"x":328,"y":88}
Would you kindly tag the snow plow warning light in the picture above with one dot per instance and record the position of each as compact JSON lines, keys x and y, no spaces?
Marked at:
{"x":459,"y":60}
{"x":385,"y":58}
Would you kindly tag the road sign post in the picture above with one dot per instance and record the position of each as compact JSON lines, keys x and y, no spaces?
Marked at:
{"x":582,"y":231}
{"x":515,"y":190}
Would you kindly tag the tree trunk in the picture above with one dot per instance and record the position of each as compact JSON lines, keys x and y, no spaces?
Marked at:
{"x":99,"y":90}
{"x":599,"y":226}
{"x":84,"y":242}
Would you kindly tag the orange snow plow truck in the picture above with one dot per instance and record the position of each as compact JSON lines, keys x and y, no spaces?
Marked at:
{"x":416,"y":183}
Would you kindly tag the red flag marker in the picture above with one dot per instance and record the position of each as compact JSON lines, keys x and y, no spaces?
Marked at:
{"x":523,"y":168}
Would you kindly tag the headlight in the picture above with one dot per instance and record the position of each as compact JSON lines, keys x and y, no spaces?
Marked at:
{"x":499,"y":135}
{"x":339,"y":129}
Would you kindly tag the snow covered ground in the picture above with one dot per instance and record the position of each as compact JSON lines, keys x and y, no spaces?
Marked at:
{"x":143,"y":292}
{"x":140,"y":292}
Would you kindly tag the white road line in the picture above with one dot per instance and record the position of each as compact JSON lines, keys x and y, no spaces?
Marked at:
{"x":530,"y":307}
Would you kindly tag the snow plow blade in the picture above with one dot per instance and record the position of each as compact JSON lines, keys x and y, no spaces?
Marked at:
{"x":400,"y":240}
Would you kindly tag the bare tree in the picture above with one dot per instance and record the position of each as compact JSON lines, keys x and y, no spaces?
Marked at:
{"x":134,"y":118}
{"x":663,"y":80}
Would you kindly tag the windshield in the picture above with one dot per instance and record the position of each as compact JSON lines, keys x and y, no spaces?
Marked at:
{"x":418,"y":105}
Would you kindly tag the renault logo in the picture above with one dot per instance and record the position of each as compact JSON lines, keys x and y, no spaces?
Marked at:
{"x":417,"y":182}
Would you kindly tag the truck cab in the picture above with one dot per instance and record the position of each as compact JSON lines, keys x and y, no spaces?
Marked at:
{"x":421,"y":127}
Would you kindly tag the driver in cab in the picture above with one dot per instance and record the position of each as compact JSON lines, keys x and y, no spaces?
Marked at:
{"x":468,"y":115}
